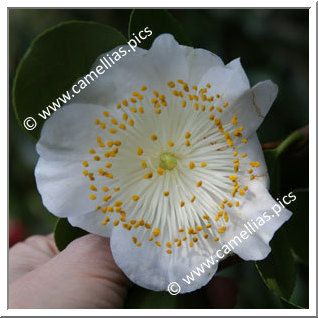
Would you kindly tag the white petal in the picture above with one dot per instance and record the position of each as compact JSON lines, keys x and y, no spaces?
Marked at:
{"x":91,"y":222}
{"x":199,"y":62}
{"x":63,"y":187}
{"x":252,"y":106}
{"x":230,"y":81}
{"x":150,"y":267}
{"x":65,"y":140}
{"x":258,"y":207}
{"x":255,"y":153}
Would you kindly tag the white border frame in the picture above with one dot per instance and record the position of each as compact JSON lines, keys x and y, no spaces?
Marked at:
{"x":312,"y":162}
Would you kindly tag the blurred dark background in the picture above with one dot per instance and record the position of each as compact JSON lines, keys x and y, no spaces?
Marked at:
{"x":272,"y":44}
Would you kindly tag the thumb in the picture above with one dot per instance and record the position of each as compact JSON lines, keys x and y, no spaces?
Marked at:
{"x":84,"y":275}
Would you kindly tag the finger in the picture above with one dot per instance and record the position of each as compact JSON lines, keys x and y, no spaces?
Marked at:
{"x":27,"y":255}
{"x":222,"y":292}
{"x":84,"y":275}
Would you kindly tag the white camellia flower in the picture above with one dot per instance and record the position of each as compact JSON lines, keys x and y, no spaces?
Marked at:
{"x":161,"y":155}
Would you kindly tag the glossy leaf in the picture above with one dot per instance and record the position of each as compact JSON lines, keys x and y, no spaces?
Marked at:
{"x":278,"y":269}
{"x":158,"y":21}
{"x":54,"y":61}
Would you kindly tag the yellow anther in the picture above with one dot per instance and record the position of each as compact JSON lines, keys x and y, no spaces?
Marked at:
{"x":219,"y":109}
{"x":233,"y":177}
{"x":187,"y":143}
{"x":131,"y":122}
{"x":133,"y":100}
{"x":245,"y":141}
{"x":203,"y":164}
{"x":222,"y":229}
{"x":245,"y":188}
{"x":134,"y":239}
{"x":225,"y":104}
{"x":226,"y":217}
{"x":194,"y":87}
{"x":180,"y":81}
{"x":187,"y":135}
{"x":211,"y":108}
{"x":156,"y":232}
{"x":199,"y":228}
{"x":106,"y":113}
{"x":170,"y":143}
{"x":196,"y":106}
{"x":118,"y":105}
{"x":156,"y":93}
{"x":112,"y":131}
{"x":153,"y":137}
{"x":148,"y":175}
{"x":97,"y":121}
{"x":230,"y":142}
{"x":166,"y":193}
{"x":105,"y":189}
{"x":150,"y":238}
{"x":135,"y":197}
{"x":195,"y":239}
{"x":158,"y":243}
{"x":144,"y":164}
{"x":254,"y":163}
{"x":218,"y":95}
{"x":160,"y":171}
{"x":242,"y":192}
{"x":92,"y":187}
{"x":125,"y":103}
{"x":118,"y":203}
{"x":141,"y":110}
{"x":107,"y":197}
{"x":190,"y":97}
{"x":252,"y":177}
{"x":168,"y":251}
{"x":191,"y":165}
{"x":203,"y":108}
{"x":199,"y":184}
{"x":140,"y":151}
{"x":143,"y":88}
{"x":102,"y":125}
{"x":133,"y":109}
{"x":235,"y":153}
{"x":92,"y":151}
{"x":96,"y":158}
{"x":182,"y":204}
{"x":193,"y":199}
{"x":125,"y":116}
{"x":114,"y":121}
{"x":147,"y":225}
{"x":206,"y":236}
{"x":108,"y":165}
{"x":122,"y":126}
{"x":110,"y":209}
{"x":184,"y":103}
{"x":85,"y":163}
{"x":237,"y":203}
{"x":116,"y":223}
{"x":92,"y":197}
{"x":236,"y":160}
{"x":171,"y":84}
{"x":158,"y":111}
{"x":110,"y":144}
{"x":191,"y":244}
{"x":168,"y":244}
{"x":216,"y":239}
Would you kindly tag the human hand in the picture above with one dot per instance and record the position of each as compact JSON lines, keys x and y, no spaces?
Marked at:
{"x":84,"y":275}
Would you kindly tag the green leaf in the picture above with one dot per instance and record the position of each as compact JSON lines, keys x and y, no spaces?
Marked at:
{"x":158,"y":21}
{"x":141,"y":298}
{"x":273,"y":157}
{"x":297,"y":228}
{"x":278,"y":269}
{"x":54,"y":61}
{"x":65,"y":233}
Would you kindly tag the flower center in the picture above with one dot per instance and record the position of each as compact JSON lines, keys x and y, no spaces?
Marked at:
{"x":168,"y":161}
{"x":188,"y":131}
